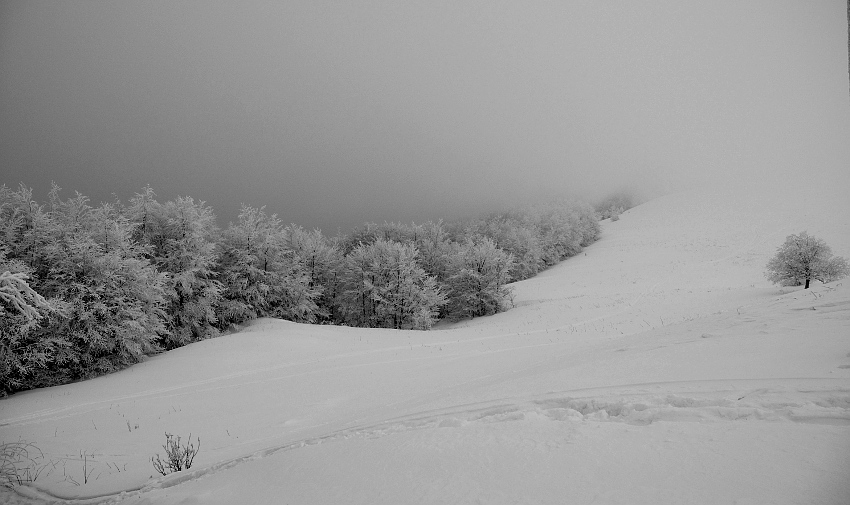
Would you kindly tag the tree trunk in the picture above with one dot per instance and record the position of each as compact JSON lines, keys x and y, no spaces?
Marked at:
{"x":807,"y":284}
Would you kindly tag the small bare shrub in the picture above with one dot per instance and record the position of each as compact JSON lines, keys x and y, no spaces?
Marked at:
{"x":177,"y":457}
{"x":20,"y":462}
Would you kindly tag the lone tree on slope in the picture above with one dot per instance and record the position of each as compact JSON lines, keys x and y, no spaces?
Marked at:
{"x":803,"y":258}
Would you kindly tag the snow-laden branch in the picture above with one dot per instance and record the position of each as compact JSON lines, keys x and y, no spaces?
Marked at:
{"x":15,"y":292}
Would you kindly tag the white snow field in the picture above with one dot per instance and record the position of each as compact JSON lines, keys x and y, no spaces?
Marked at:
{"x":659,"y":367}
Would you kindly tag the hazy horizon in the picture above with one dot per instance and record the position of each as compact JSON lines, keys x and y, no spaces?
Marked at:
{"x":331,"y":115}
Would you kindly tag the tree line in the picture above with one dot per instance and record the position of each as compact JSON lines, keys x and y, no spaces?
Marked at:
{"x":87,"y":290}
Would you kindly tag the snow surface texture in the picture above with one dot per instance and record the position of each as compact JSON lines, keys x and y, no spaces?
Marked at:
{"x":660,"y":367}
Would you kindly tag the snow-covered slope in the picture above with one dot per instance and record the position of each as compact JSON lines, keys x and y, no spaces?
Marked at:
{"x":659,"y":367}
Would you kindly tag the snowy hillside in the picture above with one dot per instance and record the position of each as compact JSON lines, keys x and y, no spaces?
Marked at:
{"x":659,"y":367}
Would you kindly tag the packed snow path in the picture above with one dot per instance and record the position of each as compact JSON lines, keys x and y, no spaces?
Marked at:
{"x":659,"y":368}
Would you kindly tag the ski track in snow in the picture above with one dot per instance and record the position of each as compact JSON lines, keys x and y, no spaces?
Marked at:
{"x":799,"y":400}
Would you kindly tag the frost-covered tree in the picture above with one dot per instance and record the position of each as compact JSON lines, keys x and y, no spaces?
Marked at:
{"x":17,"y":297}
{"x":22,"y":355}
{"x":103,"y":297}
{"x":26,"y":352}
{"x":803,"y":258}
{"x":478,"y":281}
{"x":560,"y":229}
{"x":384,"y":287}
{"x":566,"y":227}
{"x":180,"y":239}
{"x":435,"y":248}
{"x":541,"y":235}
{"x":113,"y":297}
{"x":364,"y":234}
{"x":23,"y":228}
{"x":261,"y":276}
{"x":248,"y":251}
{"x":514,"y":233}
{"x":321,"y":260}
{"x":370,"y":232}
{"x":588,"y":222}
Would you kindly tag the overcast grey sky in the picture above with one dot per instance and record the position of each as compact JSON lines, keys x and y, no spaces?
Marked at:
{"x":336,"y":113}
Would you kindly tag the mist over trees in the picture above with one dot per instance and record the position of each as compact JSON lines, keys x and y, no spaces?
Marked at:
{"x":86,"y":291}
{"x":614,"y":205}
